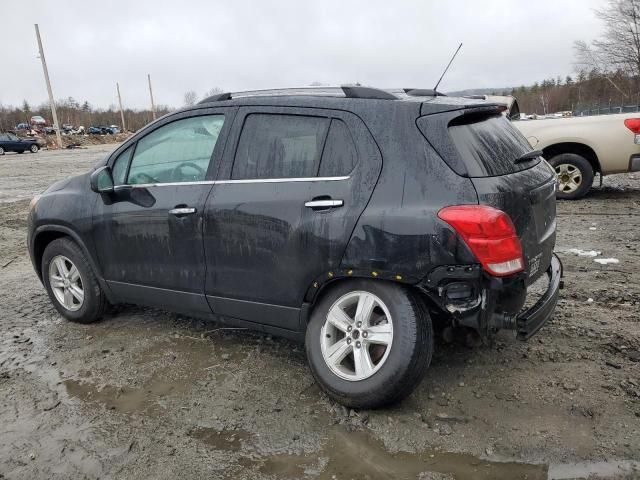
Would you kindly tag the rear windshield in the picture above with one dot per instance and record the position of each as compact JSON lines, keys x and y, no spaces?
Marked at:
{"x":489,"y":145}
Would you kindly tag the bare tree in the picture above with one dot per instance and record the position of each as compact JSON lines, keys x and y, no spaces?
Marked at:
{"x":190,"y":98}
{"x":619,"y":47}
{"x":213,"y":91}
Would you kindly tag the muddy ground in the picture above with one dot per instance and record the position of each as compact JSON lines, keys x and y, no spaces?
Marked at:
{"x":150,"y":394}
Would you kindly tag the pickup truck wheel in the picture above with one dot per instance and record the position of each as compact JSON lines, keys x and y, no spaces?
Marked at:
{"x":34,"y":148}
{"x":575,"y":175}
{"x":70,"y":282}
{"x":369,"y":343}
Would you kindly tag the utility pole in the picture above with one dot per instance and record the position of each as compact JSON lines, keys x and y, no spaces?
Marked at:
{"x":124,"y":127}
{"x":46,"y":77}
{"x":153,"y":105}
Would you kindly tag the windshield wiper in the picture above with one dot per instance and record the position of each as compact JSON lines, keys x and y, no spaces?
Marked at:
{"x":533,"y":154}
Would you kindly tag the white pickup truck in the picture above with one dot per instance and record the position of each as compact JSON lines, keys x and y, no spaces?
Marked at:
{"x":580,"y":147}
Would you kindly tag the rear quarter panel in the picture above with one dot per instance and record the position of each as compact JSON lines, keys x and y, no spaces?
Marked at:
{"x":399,"y":232}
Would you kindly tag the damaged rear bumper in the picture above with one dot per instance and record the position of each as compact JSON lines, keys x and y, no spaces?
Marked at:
{"x":487,"y":304}
{"x":531,"y":320}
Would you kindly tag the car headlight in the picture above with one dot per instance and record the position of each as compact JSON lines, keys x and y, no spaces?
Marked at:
{"x":33,"y":202}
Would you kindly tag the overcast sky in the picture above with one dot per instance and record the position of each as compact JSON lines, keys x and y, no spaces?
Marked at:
{"x":235,"y":45}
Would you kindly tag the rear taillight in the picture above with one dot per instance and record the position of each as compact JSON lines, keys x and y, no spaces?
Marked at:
{"x":633,"y":124}
{"x":490,"y":235}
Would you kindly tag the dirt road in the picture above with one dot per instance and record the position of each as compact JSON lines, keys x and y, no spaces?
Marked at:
{"x":150,"y":394}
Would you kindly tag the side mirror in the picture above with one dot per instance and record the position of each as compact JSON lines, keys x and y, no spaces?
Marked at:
{"x":102,"y":180}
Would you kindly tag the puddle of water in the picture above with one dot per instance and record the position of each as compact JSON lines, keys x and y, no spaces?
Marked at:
{"x":178,"y":364}
{"x":612,"y":469}
{"x":226,"y":440}
{"x":122,"y":399}
{"x":356,"y":455}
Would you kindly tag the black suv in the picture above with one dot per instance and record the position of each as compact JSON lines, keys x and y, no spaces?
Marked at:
{"x":350,"y":218}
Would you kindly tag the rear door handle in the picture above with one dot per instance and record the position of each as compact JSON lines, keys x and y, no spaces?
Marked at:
{"x":324,"y":203}
{"x":180,"y":211}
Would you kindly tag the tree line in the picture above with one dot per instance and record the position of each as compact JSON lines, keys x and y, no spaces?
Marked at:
{"x":588,"y":90}
{"x":75,"y":113}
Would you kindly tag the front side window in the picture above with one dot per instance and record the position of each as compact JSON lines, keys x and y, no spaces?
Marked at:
{"x":177,"y":152}
{"x":12,"y":137}
{"x":279,"y":146}
{"x":119,"y":169}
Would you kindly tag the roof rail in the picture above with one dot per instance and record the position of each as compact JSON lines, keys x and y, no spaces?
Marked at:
{"x":349,"y":91}
{"x":218,"y":97}
{"x":423,"y":92}
{"x":356,"y":91}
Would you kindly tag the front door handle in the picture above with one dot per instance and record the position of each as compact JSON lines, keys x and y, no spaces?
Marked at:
{"x":318,"y":204}
{"x":181,"y":211}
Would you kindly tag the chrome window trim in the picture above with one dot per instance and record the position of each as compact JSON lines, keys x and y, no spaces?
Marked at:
{"x":283,"y":180}
{"x":225,"y":182}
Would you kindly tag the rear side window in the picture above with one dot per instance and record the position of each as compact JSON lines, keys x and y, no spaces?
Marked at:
{"x":340,"y":155}
{"x":279,"y":146}
{"x":489,"y":145}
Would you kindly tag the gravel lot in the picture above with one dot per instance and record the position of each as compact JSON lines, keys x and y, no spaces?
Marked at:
{"x":150,"y":394}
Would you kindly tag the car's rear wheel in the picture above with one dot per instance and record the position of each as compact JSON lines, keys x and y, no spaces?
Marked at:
{"x":575,"y":175}
{"x":1,"y":151}
{"x":34,"y":148}
{"x":369,"y":343}
{"x":71,"y":283}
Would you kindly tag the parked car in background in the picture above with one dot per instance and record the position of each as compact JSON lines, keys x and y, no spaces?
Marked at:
{"x":37,"y":120}
{"x":349,"y":218}
{"x":580,"y":147}
{"x":10,"y":142}
{"x":93,"y":130}
{"x":113,"y":129}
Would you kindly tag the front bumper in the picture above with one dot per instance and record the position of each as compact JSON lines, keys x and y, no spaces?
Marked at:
{"x":531,"y":320}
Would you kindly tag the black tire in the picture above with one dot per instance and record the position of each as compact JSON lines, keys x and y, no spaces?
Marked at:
{"x":408,"y":359}
{"x":1,"y":151}
{"x":586,"y":172}
{"x":94,"y":303}
{"x":34,"y":149}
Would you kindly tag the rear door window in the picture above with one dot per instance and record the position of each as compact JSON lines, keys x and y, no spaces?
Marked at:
{"x":279,"y":146}
{"x":340,"y":155}
{"x":489,"y":145}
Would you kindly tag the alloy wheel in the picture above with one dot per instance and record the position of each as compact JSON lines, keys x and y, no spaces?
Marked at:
{"x":569,"y":177}
{"x":357,"y":336}
{"x":66,"y":283}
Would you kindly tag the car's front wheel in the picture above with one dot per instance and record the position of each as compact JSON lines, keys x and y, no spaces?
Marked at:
{"x":34,"y":148}
{"x":369,"y":343}
{"x":71,"y":283}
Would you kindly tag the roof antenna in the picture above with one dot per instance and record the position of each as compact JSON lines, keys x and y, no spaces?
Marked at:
{"x":445,"y":70}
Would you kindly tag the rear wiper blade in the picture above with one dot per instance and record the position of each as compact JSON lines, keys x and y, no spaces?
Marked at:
{"x":529,"y":156}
